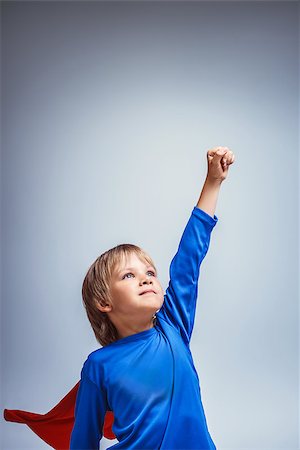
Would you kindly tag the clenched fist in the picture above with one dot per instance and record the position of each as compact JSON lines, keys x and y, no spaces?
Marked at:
{"x":218,"y":161}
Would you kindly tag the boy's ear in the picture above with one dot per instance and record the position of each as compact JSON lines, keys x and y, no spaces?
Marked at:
{"x":103,"y":306}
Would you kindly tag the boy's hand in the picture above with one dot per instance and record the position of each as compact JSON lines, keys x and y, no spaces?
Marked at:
{"x":218,"y":161}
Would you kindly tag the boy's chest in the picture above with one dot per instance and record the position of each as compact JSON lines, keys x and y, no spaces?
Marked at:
{"x":143,"y":375}
{"x":139,"y":375}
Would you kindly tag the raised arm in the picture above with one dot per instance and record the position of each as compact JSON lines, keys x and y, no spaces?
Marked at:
{"x":180,"y":299}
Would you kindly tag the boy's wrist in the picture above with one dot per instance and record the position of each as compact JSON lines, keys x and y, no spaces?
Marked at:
{"x":209,"y":196}
{"x":212,"y":182}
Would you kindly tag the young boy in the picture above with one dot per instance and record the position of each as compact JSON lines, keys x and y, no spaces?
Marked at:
{"x":144,"y":375}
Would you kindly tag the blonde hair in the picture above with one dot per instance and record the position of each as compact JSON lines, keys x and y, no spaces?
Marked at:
{"x":96,"y":289}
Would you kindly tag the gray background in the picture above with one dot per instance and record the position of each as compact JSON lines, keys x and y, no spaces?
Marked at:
{"x":108,"y":110}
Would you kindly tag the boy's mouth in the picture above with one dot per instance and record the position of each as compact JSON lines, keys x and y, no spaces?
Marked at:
{"x":148,"y":291}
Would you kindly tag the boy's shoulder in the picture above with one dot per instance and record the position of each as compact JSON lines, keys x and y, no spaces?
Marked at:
{"x":96,"y":355}
{"x":94,"y":365}
{"x":99,"y":357}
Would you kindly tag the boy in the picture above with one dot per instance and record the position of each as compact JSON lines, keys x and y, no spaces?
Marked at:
{"x":144,"y":373}
{"x":146,"y":376}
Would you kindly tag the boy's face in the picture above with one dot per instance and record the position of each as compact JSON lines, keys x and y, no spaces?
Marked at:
{"x":130,"y":305}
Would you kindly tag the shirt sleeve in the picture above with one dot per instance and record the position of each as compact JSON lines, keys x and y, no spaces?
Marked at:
{"x":90,"y":410}
{"x":180,"y":299}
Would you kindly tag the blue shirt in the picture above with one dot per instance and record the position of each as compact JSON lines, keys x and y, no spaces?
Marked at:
{"x":148,"y":379}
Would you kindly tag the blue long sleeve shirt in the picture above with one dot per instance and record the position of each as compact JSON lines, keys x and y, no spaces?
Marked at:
{"x":148,"y":379}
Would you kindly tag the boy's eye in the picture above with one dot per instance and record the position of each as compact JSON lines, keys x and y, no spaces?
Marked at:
{"x":130,"y":273}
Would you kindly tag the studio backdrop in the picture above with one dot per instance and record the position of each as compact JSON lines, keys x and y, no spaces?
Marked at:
{"x":108,"y":110}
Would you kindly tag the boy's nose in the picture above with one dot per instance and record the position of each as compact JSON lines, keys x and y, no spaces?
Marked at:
{"x":146,"y":281}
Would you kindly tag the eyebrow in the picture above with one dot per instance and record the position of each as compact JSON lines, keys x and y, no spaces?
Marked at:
{"x":132,"y":268}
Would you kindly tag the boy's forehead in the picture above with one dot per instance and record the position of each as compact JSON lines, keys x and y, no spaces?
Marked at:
{"x":129,"y":261}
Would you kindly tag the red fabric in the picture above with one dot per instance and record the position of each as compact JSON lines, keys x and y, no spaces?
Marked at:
{"x":55,"y":426}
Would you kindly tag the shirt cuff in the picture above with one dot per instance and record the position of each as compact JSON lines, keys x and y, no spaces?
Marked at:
{"x":204,"y":216}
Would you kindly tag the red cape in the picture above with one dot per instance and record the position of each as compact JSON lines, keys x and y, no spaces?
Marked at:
{"x":55,"y":426}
